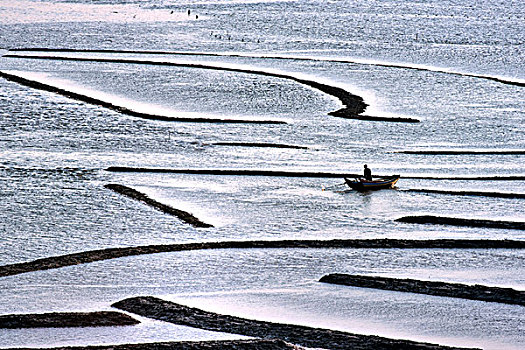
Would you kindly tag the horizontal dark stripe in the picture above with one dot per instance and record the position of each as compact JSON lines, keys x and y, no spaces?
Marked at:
{"x":283,"y":173}
{"x":460,"y":152}
{"x":454,"y":290}
{"x":67,"y":319}
{"x":440,"y":220}
{"x":471,"y":193}
{"x":113,"y":253}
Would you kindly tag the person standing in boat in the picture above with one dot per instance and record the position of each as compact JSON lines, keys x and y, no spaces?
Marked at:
{"x":368,"y":173}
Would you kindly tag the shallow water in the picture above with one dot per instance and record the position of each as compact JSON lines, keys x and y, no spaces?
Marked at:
{"x":403,"y":59}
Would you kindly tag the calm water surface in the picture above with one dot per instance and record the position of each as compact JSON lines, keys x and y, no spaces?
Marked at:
{"x":432,"y":61}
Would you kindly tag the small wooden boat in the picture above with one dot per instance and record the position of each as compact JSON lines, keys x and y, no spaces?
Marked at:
{"x":360,"y":184}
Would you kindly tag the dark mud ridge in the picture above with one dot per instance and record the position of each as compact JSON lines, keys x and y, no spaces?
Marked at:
{"x":469,"y":178}
{"x":242,"y":172}
{"x":440,"y":220}
{"x":354,"y":105}
{"x":345,"y":113}
{"x":300,"y":335}
{"x":258,"y":144}
{"x":122,"y":109}
{"x":182,"y":215}
{"x":454,"y":290}
{"x":67,"y":319}
{"x":185,"y":53}
{"x":56,"y":262}
{"x":283,"y":173}
{"x":471,"y":193}
{"x":459,"y":152}
{"x":251,"y":344}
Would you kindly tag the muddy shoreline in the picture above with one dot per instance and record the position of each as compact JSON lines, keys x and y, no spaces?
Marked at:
{"x":441,"y":220}
{"x":141,"y":197}
{"x":445,"y":289}
{"x":113,"y":253}
{"x":300,"y":335}
{"x":67,"y":319}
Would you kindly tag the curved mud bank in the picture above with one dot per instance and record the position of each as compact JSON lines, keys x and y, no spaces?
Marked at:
{"x":121,"y":109}
{"x":56,"y":262}
{"x":353,"y":105}
{"x":141,"y":197}
{"x":67,"y":319}
{"x":277,"y":57}
{"x":444,"y":289}
{"x":255,"y":344}
{"x":441,"y":220}
{"x":300,"y":335}
{"x":258,"y":144}
{"x":471,"y":193}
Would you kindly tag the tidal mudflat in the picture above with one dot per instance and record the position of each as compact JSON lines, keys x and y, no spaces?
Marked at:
{"x":194,"y":152}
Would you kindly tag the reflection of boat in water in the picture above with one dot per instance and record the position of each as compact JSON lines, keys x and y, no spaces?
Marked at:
{"x":360,"y":184}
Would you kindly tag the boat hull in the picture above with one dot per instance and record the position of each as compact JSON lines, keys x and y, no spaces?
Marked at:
{"x":378,"y":184}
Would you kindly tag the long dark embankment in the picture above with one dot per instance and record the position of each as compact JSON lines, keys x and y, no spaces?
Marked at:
{"x":441,"y":220}
{"x":301,"y":335}
{"x":122,"y":109}
{"x":471,"y":193}
{"x":353,"y":105}
{"x":445,"y":289}
{"x":283,"y":173}
{"x":461,"y":152}
{"x":258,"y":144}
{"x":277,"y":57}
{"x":182,"y":215}
{"x":113,"y":253}
{"x":244,"y":172}
{"x":251,"y":344}
{"x":67,"y":319}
